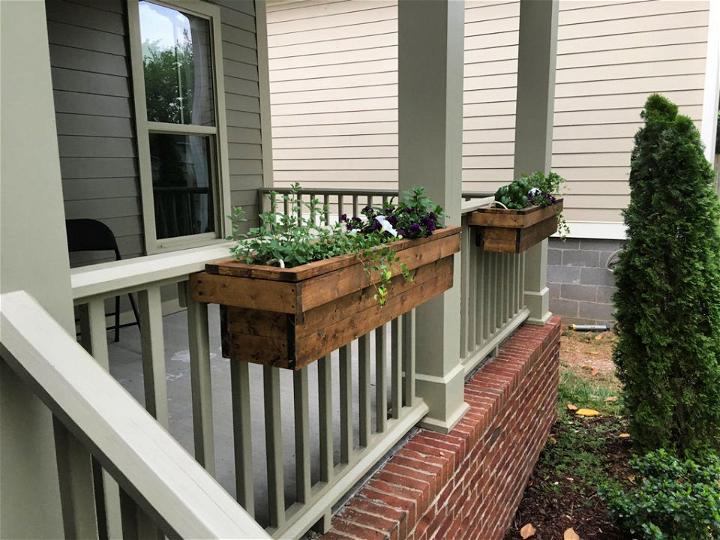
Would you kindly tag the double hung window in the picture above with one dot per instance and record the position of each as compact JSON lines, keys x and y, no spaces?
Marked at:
{"x":179,"y":111}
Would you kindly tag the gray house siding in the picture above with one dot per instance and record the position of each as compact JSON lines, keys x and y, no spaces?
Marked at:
{"x":242,"y":101}
{"x":92,"y":85}
{"x":93,"y":106}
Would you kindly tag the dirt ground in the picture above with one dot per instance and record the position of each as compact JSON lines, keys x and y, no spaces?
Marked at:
{"x":581,"y":453}
{"x":588,"y":351}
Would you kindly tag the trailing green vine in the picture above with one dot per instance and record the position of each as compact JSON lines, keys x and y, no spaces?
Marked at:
{"x":299,"y":236}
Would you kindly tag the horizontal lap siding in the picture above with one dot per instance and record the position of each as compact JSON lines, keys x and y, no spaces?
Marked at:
{"x":95,"y":115}
{"x":242,"y":101}
{"x":333,"y":80}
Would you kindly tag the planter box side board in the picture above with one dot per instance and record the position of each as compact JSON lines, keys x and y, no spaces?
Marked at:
{"x":290,"y":324}
{"x":514,"y":231}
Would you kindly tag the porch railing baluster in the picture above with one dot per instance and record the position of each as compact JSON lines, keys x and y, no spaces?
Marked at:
{"x":396,"y":367}
{"x":365,"y":416}
{"x":302,"y":435}
{"x":325,"y":412}
{"x":346,"y":417}
{"x":481,"y":292}
{"x":380,"y":380}
{"x":408,"y":358}
{"x":93,"y":337}
{"x":201,"y":383}
{"x":242,"y":435}
{"x":153,"y":353}
{"x":274,"y":446}
{"x":326,"y":208}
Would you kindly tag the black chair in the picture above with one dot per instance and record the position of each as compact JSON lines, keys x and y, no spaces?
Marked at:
{"x":93,"y":235}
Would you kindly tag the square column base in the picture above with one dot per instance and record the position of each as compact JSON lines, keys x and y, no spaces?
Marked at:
{"x":538,"y":303}
{"x":446,"y":398}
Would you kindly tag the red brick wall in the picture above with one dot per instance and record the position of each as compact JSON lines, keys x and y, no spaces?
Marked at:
{"x":468,"y":483}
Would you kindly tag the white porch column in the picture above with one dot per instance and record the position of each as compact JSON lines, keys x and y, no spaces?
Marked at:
{"x":430,"y":63}
{"x":34,"y":258}
{"x":534,"y":127}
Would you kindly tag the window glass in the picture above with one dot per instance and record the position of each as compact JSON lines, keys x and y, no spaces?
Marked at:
{"x":182,"y":184}
{"x":177,"y":61}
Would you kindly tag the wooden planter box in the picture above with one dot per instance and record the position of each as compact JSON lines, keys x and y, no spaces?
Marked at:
{"x":514,"y":231}
{"x":292,"y":317}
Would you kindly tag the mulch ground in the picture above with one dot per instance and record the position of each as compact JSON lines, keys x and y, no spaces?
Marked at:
{"x":581,"y":453}
{"x":562,"y":491}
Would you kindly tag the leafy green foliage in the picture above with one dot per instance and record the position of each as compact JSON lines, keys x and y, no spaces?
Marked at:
{"x":672,"y":499}
{"x":536,"y":189}
{"x":167,"y":99}
{"x":300,"y":237}
{"x":668,"y":297}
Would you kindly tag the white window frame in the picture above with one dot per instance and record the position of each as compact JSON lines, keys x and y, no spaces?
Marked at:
{"x":219,"y":154}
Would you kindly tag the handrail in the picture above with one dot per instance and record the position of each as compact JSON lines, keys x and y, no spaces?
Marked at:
{"x":358,"y":191}
{"x":145,"y":460}
{"x":118,"y":276}
{"x":470,"y":205}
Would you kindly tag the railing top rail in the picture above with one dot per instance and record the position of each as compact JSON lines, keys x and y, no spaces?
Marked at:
{"x":128,"y":442}
{"x":470,"y":205}
{"x":107,"y":278}
{"x":358,"y":191}
{"x":330,"y":191}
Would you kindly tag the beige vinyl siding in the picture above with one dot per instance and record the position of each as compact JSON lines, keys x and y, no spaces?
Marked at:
{"x":333,"y":80}
{"x":93,"y":103}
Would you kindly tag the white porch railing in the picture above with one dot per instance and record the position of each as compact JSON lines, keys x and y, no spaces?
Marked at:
{"x":491,"y":295}
{"x":162,"y":490}
{"x":351,"y":438}
{"x":371,"y":419}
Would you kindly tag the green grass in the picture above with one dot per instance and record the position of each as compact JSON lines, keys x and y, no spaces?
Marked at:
{"x":574,"y":459}
{"x":590,"y":392}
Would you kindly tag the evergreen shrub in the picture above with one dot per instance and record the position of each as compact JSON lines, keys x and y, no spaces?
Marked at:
{"x":668,"y":289}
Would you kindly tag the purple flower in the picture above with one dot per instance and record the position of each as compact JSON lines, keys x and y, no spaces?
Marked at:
{"x":414,"y":230}
{"x":392,"y":220}
{"x":343,"y":218}
{"x":429,"y":223}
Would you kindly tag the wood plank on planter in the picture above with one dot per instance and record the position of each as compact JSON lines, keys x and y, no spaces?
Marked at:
{"x":287,"y":323}
{"x":514,"y":231}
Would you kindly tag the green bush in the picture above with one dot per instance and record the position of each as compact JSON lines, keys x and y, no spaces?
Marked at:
{"x":671,"y":500}
{"x":668,"y":297}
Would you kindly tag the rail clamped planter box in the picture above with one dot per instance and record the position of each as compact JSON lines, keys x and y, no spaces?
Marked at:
{"x":514,"y":231}
{"x":291,"y":317}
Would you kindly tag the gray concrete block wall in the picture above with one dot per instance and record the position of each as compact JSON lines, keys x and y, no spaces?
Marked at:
{"x":581,"y":286}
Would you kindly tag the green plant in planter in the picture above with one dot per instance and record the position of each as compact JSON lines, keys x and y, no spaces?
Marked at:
{"x":668,"y":289}
{"x":670,"y":499}
{"x":536,"y":189}
{"x":288,"y":240}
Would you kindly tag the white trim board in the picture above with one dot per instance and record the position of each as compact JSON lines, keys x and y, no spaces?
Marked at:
{"x":595,"y":230}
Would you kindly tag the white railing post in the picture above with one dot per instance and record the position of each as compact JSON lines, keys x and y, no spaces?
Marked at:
{"x":534,"y":128}
{"x":430,"y":90}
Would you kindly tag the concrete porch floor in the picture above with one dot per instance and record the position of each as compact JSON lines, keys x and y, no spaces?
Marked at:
{"x":126,"y":367}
